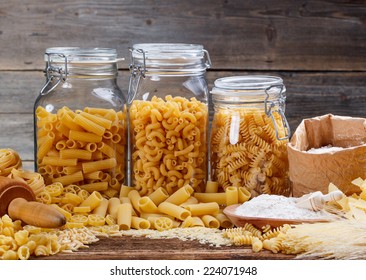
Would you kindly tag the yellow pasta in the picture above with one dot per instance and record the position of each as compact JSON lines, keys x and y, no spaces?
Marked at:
{"x":196,"y":222}
{"x":200,"y":209}
{"x":168,"y":135}
{"x":254,"y":157}
{"x":70,"y":179}
{"x":139,"y":223}
{"x":145,"y":204}
{"x":9,"y":159}
{"x":163,"y":223}
{"x":135,"y":197}
{"x":159,"y":195}
{"x":113,"y":204}
{"x":224,"y":221}
{"x":212,"y":187}
{"x":102,"y":208}
{"x":93,"y":200}
{"x":75,"y":141}
{"x":124,"y":191}
{"x":219,"y":198}
{"x":173,"y":210}
{"x":232,"y":196}
{"x":210,"y":221}
{"x":124,"y":216}
{"x":75,"y":153}
{"x":181,"y":195}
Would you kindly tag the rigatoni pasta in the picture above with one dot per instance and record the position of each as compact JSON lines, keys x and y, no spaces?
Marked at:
{"x":73,"y":147}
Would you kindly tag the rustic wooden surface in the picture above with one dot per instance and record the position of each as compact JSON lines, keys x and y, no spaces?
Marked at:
{"x":140,"y":248}
{"x":318,"y":47}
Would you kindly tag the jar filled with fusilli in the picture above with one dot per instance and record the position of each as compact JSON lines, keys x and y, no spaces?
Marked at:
{"x":168,"y":111}
{"x":80,"y":122}
{"x":249,"y":135}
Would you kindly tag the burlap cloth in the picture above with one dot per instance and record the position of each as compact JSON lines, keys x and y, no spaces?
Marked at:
{"x":313,"y":172}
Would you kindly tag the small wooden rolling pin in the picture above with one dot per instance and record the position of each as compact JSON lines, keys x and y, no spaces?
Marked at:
{"x":18,"y":201}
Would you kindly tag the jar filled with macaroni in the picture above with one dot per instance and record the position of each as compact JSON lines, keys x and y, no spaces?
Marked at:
{"x":249,"y":136}
{"x":80,"y":121}
{"x":168,"y":110}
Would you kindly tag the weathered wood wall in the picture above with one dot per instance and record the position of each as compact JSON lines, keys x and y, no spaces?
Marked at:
{"x":318,"y":47}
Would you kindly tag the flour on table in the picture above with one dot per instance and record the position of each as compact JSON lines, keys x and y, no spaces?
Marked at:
{"x":277,"y":207}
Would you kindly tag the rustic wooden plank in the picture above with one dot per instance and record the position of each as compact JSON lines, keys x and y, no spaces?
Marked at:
{"x":308,"y":93}
{"x":282,"y":35}
{"x":140,"y":248}
{"x":17,"y":134}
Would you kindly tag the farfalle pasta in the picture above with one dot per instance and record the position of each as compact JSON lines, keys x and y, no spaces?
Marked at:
{"x":245,"y":151}
{"x":168,"y":144}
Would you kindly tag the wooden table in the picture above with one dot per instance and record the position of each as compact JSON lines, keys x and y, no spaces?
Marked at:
{"x":141,"y":248}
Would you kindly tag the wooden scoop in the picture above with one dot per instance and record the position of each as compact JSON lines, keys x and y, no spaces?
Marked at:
{"x":18,"y":201}
{"x":316,"y":201}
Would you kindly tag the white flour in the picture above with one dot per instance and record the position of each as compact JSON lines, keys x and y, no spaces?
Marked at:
{"x":325,"y":149}
{"x":277,"y":207}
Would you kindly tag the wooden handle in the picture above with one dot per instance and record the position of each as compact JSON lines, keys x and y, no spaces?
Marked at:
{"x":35,"y":213}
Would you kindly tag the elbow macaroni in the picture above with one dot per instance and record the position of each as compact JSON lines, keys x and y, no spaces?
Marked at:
{"x":168,"y":148}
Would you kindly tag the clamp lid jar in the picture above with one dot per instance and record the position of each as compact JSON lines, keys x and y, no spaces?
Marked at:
{"x":168,"y":109}
{"x":80,"y":121}
{"x":250,"y":134}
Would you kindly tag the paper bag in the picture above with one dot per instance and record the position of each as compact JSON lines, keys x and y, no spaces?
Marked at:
{"x":310,"y":172}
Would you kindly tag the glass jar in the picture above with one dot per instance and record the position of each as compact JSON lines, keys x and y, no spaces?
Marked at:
{"x":80,"y":121}
{"x":250,"y":134}
{"x":168,"y":111}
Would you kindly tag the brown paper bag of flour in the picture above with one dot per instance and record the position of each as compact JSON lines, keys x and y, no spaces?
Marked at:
{"x":311,"y":172}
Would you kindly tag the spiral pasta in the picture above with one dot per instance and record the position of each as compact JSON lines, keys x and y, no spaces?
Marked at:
{"x":247,"y":153}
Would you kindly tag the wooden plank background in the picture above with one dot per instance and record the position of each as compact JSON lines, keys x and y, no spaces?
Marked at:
{"x":318,"y":47}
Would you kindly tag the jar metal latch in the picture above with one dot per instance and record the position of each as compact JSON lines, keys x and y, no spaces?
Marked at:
{"x":137,"y":69}
{"x":270,"y":108}
{"x":52,"y":72}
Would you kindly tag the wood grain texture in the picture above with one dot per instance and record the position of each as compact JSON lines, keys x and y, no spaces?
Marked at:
{"x":140,"y":248}
{"x":241,"y":35}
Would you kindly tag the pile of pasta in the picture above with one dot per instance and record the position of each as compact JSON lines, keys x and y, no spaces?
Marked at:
{"x":160,"y":211}
{"x":245,"y":151}
{"x":169,"y":144}
{"x":83,"y":147}
{"x":20,"y":243}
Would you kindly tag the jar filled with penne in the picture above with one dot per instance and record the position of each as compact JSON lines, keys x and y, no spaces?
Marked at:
{"x":249,"y":135}
{"x":168,"y":110}
{"x":80,"y":121}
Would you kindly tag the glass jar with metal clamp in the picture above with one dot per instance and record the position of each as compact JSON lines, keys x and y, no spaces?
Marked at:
{"x":80,"y":124}
{"x":250,"y":134}
{"x":168,"y":111}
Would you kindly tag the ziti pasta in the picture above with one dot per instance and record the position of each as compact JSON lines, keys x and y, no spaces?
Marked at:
{"x":82,"y":147}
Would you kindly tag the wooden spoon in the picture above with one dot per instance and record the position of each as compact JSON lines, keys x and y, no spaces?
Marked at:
{"x":18,"y":201}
